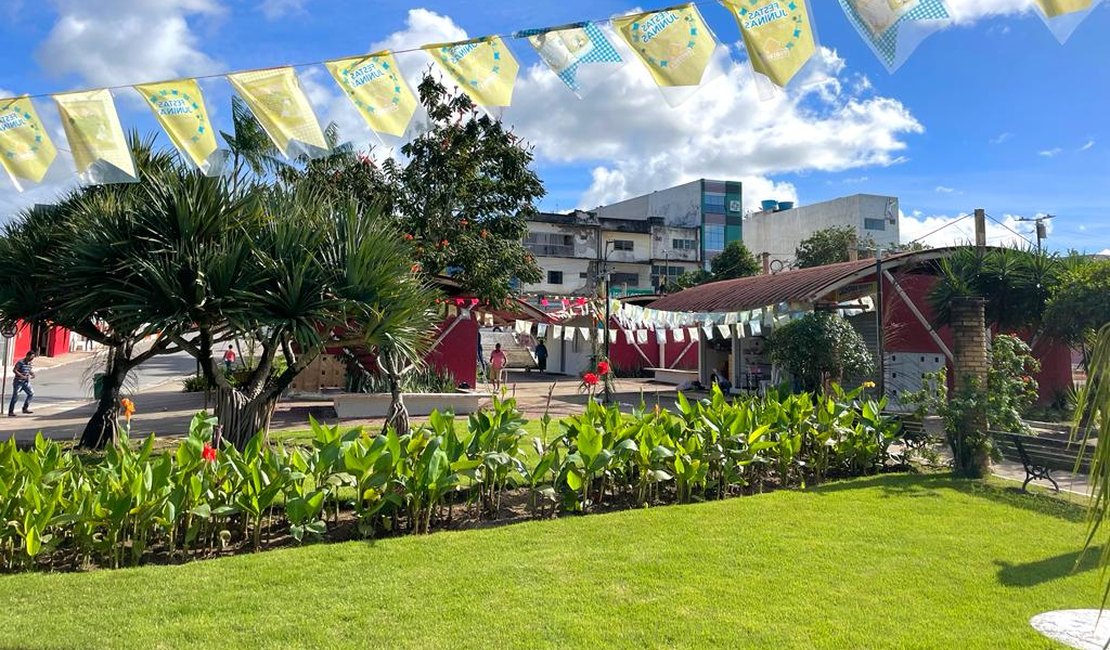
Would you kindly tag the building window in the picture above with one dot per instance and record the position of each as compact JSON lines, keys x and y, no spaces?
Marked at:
{"x":623,"y":245}
{"x":583,"y":275}
{"x":624,"y":279}
{"x":714,"y":237}
{"x":874,"y":224}
{"x":658,"y":271}
{"x":554,"y":277}
{"x":550,"y":244}
{"x":684,"y":244}
{"x":715,"y":200}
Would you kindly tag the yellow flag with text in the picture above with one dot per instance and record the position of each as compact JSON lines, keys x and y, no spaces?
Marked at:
{"x":484,"y":68}
{"x":777,"y":34}
{"x":674,"y":44}
{"x":179,"y":108}
{"x":95,"y":137}
{"x":375,"y":85}
{"x":279,"y":104}
{"x":1053,"y":8}
{"x":25,"y":148}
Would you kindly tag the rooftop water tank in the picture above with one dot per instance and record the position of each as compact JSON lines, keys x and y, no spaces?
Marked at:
{"x":769,"y":205}
{"x":786,"y":205}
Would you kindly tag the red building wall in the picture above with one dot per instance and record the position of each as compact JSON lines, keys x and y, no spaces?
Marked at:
{"x":457,"y":353}
{"x":906,"y":334}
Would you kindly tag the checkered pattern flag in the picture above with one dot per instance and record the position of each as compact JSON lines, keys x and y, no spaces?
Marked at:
{"x":894,"y":28}
{"x":581,"y":54}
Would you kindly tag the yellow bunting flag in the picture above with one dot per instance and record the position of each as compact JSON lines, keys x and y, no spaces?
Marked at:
{"x":484,"y":68}
{"x":25,"y":148}
{"x":1053,"y":8}
{"x":675,"y":44}
{"x":95,"y":137}
{"x":179,"y":108}
{"x":374,"y":83}
{"x":777,"y":34}
{"x":278,"y":102}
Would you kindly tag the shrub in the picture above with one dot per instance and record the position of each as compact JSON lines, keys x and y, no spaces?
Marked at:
{"x":135,"y":504}
{"x":820,"y":347}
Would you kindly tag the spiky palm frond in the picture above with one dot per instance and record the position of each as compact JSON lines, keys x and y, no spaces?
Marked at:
{"x":1093,"y":419}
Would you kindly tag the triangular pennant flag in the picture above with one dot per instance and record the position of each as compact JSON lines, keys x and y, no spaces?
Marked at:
{"x":641,"y":337}
{"x":279,"y":104}
{"x":693,"y":332}
{"x":675,"y":44}
{"x":629,"y":337}
{"x":96,"y":138}
{"x":679,"y":335}
{"x":585,"y":331}
{"x":757,"y":328}
{"x":740,"y":331}
{"x":894,"y":28}
{"x":1062,"y":17}
{"x":661,"y":336}
{"x":579,"y":54}
{"x":708,"y":330}
{"x":179,"y":108}
{"x":484,"y":68}
{"x":556,"y":331}
{"x":375,"y":85}
{"x":725,"y":330}
{"x":26,"y":151}
{"x":778,"y":35}
{"x":568,"y":333}
{"x":541,"y":330}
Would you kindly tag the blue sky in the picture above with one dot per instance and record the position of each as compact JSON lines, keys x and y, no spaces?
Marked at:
{"x":992,"y":112}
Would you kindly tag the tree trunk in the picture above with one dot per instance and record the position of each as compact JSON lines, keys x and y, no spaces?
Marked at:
{"x":98,"y":432}
{"x":242,"y":418}
{"x":398,"y":413}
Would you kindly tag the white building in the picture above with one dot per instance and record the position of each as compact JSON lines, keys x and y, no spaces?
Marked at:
{"x":780,"y":232}
{"x":574,"y":250}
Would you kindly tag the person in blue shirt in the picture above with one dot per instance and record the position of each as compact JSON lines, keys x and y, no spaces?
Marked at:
{"x":24,"y":372}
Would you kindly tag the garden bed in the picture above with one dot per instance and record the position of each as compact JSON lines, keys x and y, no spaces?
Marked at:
{"x":365,"y":406}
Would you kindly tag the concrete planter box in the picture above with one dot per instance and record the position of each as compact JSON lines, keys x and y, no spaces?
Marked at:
{"x":362,"y":406}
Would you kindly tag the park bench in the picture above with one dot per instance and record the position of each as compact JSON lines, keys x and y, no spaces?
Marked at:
{"x":1040,"y":455}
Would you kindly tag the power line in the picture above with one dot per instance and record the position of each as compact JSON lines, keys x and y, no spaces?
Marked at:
{"x":407,"y":50}
{"x":952,"y":223}
{"x":1027,"y":240}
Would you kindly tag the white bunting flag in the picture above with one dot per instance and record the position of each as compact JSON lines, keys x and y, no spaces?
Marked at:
{"x":693,"y":332}
{"x":557,"y":331}
{"x":568,"y":334}
{"x":708,"y":329}
{"x":725,"y":330}
{"x":679,"y":335}
{"x":641,"y":337}
{"x":585,"y":333}
{"x":612,"y":336}
{"x":630,"y":337}
{"x":661,"y":336}
{"x":541,"y":330}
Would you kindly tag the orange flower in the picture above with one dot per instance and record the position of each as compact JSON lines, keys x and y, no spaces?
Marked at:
{"x":485,"y":233}
{"x":128,"y":407}
{"x":416,"y":268}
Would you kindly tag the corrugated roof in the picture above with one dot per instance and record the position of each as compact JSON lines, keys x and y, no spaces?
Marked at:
{"x":803,"y":285}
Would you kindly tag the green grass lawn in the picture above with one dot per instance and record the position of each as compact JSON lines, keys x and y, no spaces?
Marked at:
{"x":887,"y":562}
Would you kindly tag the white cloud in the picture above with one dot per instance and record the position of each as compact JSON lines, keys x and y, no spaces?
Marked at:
{"x":1090,"y":144}
{"x":945,"y":190}
{"x":275,"y":9}
{"x":112,"y":42}
{"x":965,"y":12}
{"x":1051,"y":153}
{"x":856,"y":180}
{"x":1001,"y":137}
{"x":1105,"y":252}
{"x":641,"y":144}
{"x":943,"y":230}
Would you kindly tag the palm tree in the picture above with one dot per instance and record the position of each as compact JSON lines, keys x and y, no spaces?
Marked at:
{"x":203,"y":263}
{"x":39,"y":283}
{"x":1092,"y":417}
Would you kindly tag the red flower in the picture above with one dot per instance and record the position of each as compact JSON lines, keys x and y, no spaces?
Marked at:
{"x":443,"y":243}
{"x":208,"y":453}
{"x":590,"y":379}
{"x":464,"y":223}
{"x":416,"y":268}
{"x":485,"y":233}
{"x":408,"y":237}
{"x":603,"y":368}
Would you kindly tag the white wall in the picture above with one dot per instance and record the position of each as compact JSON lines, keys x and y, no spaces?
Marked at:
{"x":679,"y":206}
{"x":780,"y":233}
{"x":572,"y":270}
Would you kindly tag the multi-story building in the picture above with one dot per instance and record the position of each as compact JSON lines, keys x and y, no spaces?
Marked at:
{"x":713,"y":208}
{"x":575,"y":250}
{"x":780,"y":228}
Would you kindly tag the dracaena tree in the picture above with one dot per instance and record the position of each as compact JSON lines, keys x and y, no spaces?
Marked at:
{"x":39,"y":281}
{"x":203,"y":262}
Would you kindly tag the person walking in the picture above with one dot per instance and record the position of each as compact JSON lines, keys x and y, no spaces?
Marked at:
{"x":24,"y":372}
{"x":497,"y":362}
{"x":541,"y":356}
{"x":229,"y":359}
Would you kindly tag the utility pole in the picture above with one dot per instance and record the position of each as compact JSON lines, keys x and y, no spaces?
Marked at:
{"x":1042,"y":231}
{"x":605,"y":330}
{"x":879,"y":334}
{"x":980,"y":228}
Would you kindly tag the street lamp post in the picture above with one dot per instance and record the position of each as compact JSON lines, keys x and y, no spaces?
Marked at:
{"x":608,"y":316}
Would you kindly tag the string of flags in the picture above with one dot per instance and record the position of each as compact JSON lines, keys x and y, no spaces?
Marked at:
{"x":675,"y":45}
{"x":642,"y":324}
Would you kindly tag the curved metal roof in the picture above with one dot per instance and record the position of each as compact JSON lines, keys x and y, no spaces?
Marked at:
{"x":803,"y":285}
